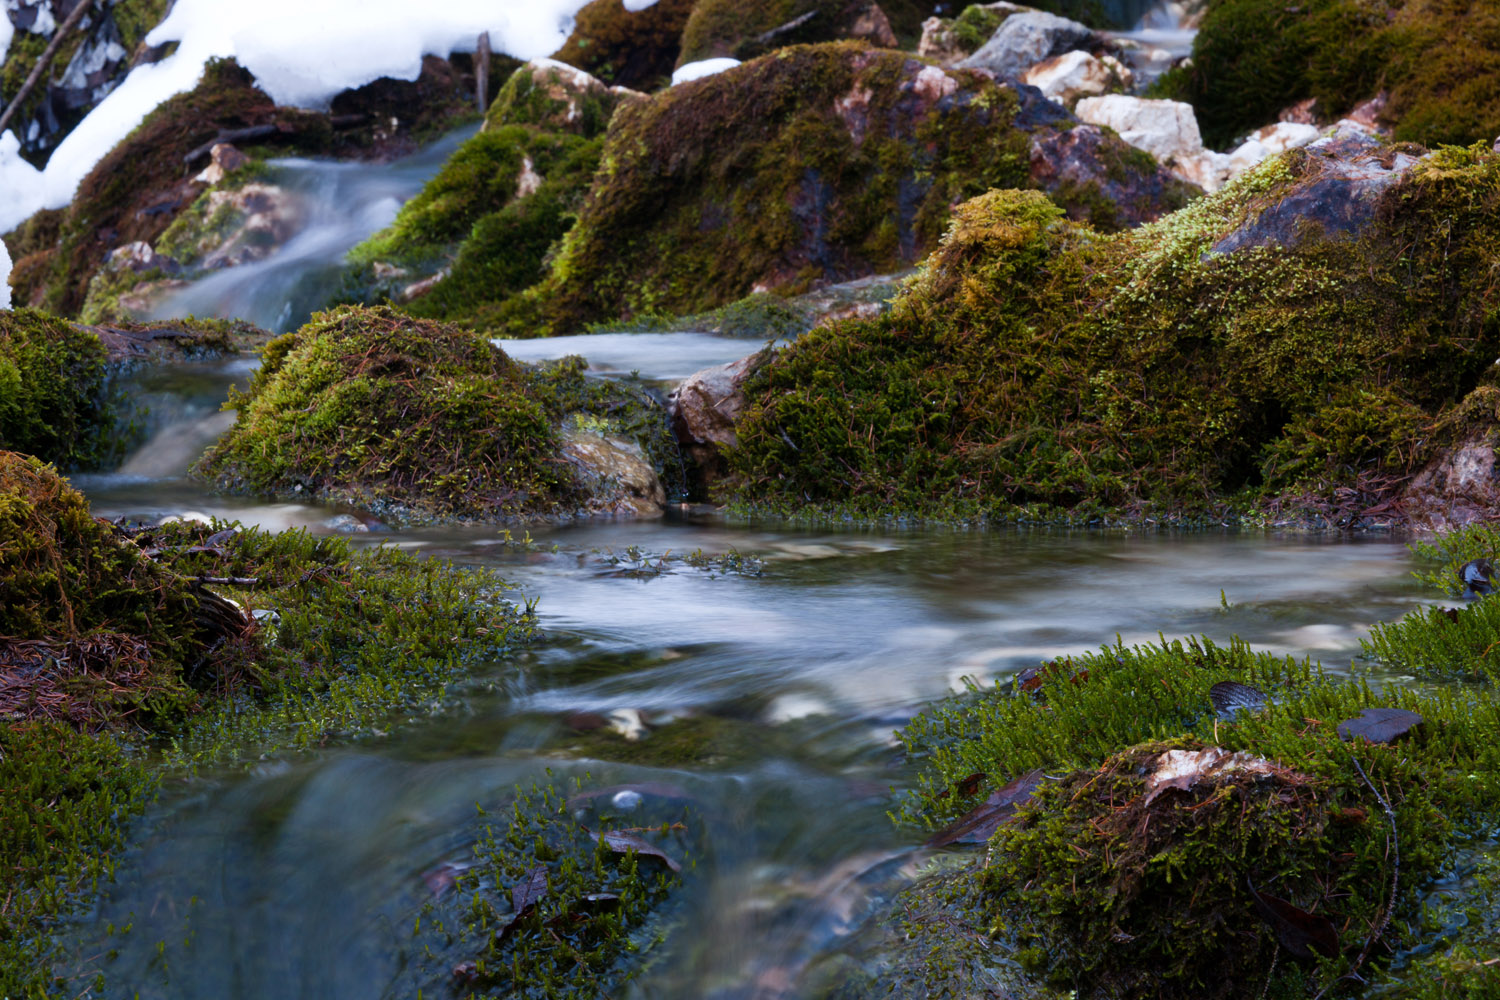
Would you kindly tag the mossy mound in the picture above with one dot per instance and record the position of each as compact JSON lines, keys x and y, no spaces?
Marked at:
{"x":556,"y":97}
{"x":635,"y":49}
{"x":418,"y":419}
{"x":55,"y":398}
{"x":814,"y":163}
{"x":92,"y":629}
{"x":1306,"y":325}
{"x":1439,"y":61}
{"x":719,"y":28}
{"x":1112,"y":882}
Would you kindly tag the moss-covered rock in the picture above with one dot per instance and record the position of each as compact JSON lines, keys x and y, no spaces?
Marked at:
{"x":422,"y":419}
{"x":1120,"y":878}
{"x":55,"y":398}
{"x":555,"y":97}
{"x":719,"y":28}
{"x":811,"y":165}
{"x":1440,"y":63}
{"x":1308,"y":323}
{"x":635,"y":49}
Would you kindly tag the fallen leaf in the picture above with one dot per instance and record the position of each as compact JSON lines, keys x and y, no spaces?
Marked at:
{"x":524,"y":895}
{"x":1182,"y":769}
{"x":1230,"y":697}
{"x":969,"y":784}
{"x":624,"y":843}
{"x":1380,"y":725}
{"x":1299,"y":932}
{"x":980,"y":825}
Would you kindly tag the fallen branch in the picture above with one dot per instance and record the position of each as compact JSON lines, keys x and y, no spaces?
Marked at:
{"x":45,"y":61}
{"x":231,"y":135}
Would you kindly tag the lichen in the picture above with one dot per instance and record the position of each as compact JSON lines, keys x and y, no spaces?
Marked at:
{"x":1036,"y":364}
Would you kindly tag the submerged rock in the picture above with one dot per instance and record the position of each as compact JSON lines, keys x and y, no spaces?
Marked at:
{"x":704,"y":410}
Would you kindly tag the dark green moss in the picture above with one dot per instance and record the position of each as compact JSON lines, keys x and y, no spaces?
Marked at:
{"x":756,"y":177}
{"x":55,"y":399}
{"x":1036,"y":362}
{"x":636,"y":50}
{"x":1439,"y":61}
{"x":373,"y":407}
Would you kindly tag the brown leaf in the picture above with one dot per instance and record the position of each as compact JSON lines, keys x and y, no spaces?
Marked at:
{"x":1380,"y":725}
{"x":529,"y":891}
{"x":969,"y":784}
{"x":1230,"y":697}
{"x":1299,"y":932}
{"x":625,"y":843}
{"x":980,"y":825}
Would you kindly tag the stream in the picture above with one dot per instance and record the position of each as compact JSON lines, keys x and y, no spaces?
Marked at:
{"x":301,"y":876}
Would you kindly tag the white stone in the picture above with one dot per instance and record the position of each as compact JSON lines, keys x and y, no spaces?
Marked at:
{"x":1076,"y":74}
{"x":1168,"y":130}
{"x":529,"y":180}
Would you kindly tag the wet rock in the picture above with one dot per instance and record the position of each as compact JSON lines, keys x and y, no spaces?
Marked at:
{"x":1085,"y":171}
{"x":704,"y":410}
{"x":946,"y":42}
{"x":224,"y":159}
{"x":1077,"y":74}
{"x":1027,"y":38}
{"x":616,"y":473}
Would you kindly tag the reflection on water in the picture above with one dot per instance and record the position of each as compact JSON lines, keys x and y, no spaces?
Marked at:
{"x":665,"y":357}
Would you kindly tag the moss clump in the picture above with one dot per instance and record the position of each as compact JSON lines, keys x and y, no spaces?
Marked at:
{"x":68,"y":800}
{"x":1439,"y":61}
{"x":1037,"y":364}
{"x":815,"y":163}
{"x":1111,"y":895}
{"x":554,"y":98}
{"x":720,"y":28}
{"x":629,"y":49}
{"x":550,"y":908}
{"x":380,"y":409}
{"x":55,"y":399}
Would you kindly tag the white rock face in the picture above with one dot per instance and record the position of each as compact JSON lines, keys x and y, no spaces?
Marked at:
{"x":1024,"y":40}
{"x":1168,"y":130}
{"x":4,"y":277}
{"x":1077,"y":74}
{"x":704,"y":67}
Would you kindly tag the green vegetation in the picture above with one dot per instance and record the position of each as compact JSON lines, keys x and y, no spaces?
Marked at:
{"x":743,"y":30}
{"x":1440,"y":63}
{"x":420,"y":420}
{"x":595,"y":911}
{"x":629,"y":49}
{"x":55,"y":398}
{"x":1037,"y":366}
{"x":555,"y":99}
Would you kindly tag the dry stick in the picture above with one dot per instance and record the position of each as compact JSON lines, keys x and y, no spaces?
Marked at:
{"x":482,"y":71}
{"x":1390,"y":906}
{"x":45,"y":61}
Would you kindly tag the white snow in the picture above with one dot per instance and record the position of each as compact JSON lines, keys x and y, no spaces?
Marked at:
{"x":4,"y":277}
{"x":702,"y":68}
{"x":302,"y":52}
{"x":6,"y":30}
{"x":635,"y":5}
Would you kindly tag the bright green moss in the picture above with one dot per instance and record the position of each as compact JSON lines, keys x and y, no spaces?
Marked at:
{"x":555,"y":99}
{"x":55,"y":398}
{"x":1036,"y":362}
{"x":1439,"y":61}
{"x":417,"y":418}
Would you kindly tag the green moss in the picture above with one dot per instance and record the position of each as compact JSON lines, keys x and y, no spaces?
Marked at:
{"x":1036,"y":362}
{"x":974,"y":25}
{"x":753,"y":177}
{"x":68,"y":801}
{"x":1110,"y":895}
{"x":1439,"y":61}
{"x":55,"y":399}
{"x":555,"y":99}
{"x":629,"y":49}
{"x":415,"y":417}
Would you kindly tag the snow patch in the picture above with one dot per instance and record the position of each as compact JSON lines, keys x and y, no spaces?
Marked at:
{"x":302,"y":53}
{"x":635,"y":5}
{"x":6,"y":32}
{"x":4,"y":277}
{"x":705,"y":67}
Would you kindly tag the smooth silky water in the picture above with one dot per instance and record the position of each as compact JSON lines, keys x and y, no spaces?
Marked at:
{"x":302,"y":875}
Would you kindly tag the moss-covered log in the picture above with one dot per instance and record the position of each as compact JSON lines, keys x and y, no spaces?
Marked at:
{"x":1312,"y":323}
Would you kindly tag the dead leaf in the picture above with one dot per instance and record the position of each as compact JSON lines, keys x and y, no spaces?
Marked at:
{"x":1182,"y":769}
{"x":1449,"y":613}
{"x":1230,"y":697}
{"x":625,"y":843}
{"x":980,"y":825}
{"x":1299,"y":932}
{"x":440,"y":879}
{"x":1380,"y":725}
{"x":524,"y":895}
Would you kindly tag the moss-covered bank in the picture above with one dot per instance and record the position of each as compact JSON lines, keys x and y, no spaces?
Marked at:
{"x":420,"y":419}
{"x":1325,"y":318}
{"x":1439,"y":62}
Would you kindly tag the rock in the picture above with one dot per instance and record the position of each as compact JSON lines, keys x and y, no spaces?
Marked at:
{"x":556,"y":97}
{"x":627,"y":48}
{"x":224,"y":159}
{"x":704,"y":410}
{"x":1167,"y":130}
{"x":740,"y":30}
{"x":417,"y":289}
{"x":1305,"y":112}
{"x":616,"y":473}
{"x":138,"y":256}
{"x":1026,"y":39}
{"x":1267,"y":141}
{"x":1371,"y":113}
{"x":946,"y":41}
{"x":238,"y":226}
{"x":1087,"y":159}
{"x":1077,"y":74}
{"x":143,"y":299}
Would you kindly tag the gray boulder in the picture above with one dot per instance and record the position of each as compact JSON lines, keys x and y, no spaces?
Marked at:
{"x":1027,"y":39}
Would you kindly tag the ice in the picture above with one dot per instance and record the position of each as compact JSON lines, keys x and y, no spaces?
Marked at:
{"x":702,"y":68}
{"x":302,"y":52}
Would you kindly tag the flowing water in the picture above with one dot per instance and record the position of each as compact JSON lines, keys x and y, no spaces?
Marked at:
{"x":301,"y":877}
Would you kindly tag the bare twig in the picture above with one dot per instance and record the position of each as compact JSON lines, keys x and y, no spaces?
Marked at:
{"x":45,"y":61}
